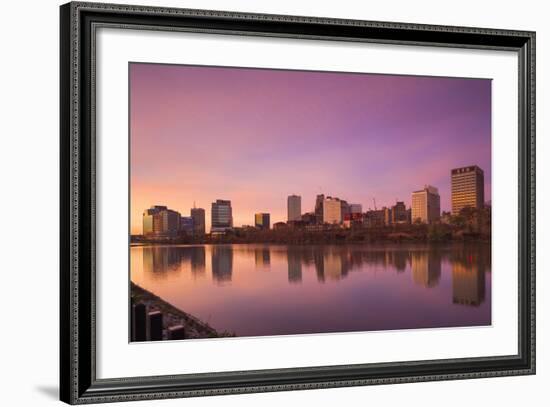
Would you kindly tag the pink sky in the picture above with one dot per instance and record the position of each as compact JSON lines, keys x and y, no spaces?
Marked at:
{"x":255,"y":136}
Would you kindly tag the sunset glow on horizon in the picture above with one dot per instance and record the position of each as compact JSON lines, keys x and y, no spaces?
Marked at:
{"x":255,"y":136}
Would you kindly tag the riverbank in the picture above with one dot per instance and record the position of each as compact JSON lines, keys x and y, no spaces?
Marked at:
{"x":333,"y":235}
{"x":172,"y":316}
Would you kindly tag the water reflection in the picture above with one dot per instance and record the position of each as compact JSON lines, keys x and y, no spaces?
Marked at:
{"x":354,"y":287}
{"x":262,"y":257}
{"x":222,"y":263}
{"x":294,"y":261}
{"x":160,"y":262}
{"x":468,"y":277}
{"x":335,"y":263}
{"x":426,"y":268}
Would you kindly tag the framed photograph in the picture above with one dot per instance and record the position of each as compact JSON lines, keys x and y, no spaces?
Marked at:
{"x":255,"y":203}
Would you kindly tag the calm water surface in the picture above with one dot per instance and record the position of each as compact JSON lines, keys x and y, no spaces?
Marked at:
{"x":267,"y":289}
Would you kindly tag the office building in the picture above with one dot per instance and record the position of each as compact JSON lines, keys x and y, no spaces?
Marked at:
{"x":425,"y":205}
{"x":152,"y":220}
{"x":399,"y":213}
{"x":199,"y":221}
{"x":345,"y":210}
{"x":332,"y":210}
{"x":309,"y":218}
{"x":467,"y":188}
{"x":261,"y":221}
{"x":222,"y":216}
{"x":387,"y":216}
{"x":319,"y":209}
{"x":186,"y":225}
{"x":355,"y":208}
{"x":170,"y":222}
{"x":294,"y":208}
{"x":160,"y":222}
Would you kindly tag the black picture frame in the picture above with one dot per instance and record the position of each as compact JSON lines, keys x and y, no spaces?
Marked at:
{"x":78,"y":382}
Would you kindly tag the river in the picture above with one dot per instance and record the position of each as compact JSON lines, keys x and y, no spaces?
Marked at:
{"x":263,"y":289}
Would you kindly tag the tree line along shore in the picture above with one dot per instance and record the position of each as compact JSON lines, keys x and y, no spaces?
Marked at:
{"x":471,"y":225}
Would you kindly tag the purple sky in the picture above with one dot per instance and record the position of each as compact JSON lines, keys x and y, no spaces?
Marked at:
{"x":255,"y":136}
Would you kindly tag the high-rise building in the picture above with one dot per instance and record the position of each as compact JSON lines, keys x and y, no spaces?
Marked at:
{"x":426,"y":205}
{"x":170,"y":222}
{"x":387,"y":216}
{"x":467,"y":188}
{"x":186,"y":225}
{"x":152,"y":220}
{"x":222,"y":216}
{"x":345,"y":209}
{"x":399,"y":213}
{"x":294,"y":208}
{"x":332,"y":210}
{"x":199,"y":221}
{"x":319,"y":208}
{"x":261,"y":221}
{"x":355,"y":208}
{"x":161,"y":222}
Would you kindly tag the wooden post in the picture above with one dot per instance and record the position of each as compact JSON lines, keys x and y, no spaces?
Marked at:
{"x":176,"y":332}
{"x":155,"y":326}
{"x":139,"y":323}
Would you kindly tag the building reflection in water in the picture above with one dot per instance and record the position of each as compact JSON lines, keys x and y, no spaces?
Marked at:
{"x":399,"y":259}
{"x":426,"y":267}
{"x":319,"y":262}
{"x":198,"y":260}
{"x":468,"y":264}
{"x":321,"y":288}
{"x":262,"y":257}
{"x":222,"y":263}
{"x":294,"y":261}
{"x":161,"y":261}
{"x":468,"y":280}
{"x":332,"y":266}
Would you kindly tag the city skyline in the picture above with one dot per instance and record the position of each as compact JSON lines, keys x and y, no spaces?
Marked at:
{"x":424,"y":207}
{"x":257,"y":136}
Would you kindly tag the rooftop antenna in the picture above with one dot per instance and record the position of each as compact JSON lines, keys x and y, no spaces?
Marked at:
{"x":194,"y":206}
{"x":374,"y":202}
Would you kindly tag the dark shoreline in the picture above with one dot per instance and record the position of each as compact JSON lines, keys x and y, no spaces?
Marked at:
{"x":195,"y":328}
{"x":379,"y":243}
{"x":415,"y":234}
